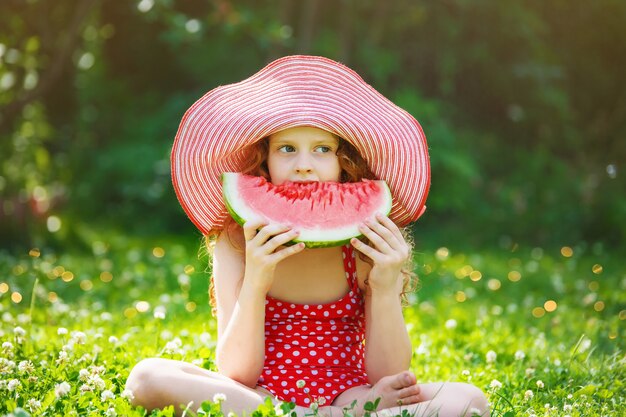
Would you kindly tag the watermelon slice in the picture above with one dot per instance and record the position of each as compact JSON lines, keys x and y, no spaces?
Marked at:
{"x":325,"y":213}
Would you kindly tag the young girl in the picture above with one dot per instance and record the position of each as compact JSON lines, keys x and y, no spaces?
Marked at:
{"x":320,"y":327}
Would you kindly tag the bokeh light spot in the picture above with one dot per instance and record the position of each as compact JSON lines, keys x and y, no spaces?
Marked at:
{"x":142,"y":306}
{"x":538,"y":312}
{"x":190,"y":306}
{"x":4,"y":288}
{"x":16,"y":297}
{"x":567,"y":252}
{"x":494,"y":284}
{"x":18,"y":270}
{"x":598,"y":306}
{"x":442,"y":253}
{"x":550,"y":306}
{"x":53,"y":297}
{"x":58,"y":271}
{"x":35,"y":253}
{"x":130,"y":312}
{"x":106,"y":276}
{"x":189,"y":269}
{"x":594,"y":286}
{"x":158,"y":252}
{"x":514,"y":276}
{"x":460,"y":296}
{"x":597,"y":269}
{"x":475,"y":276}
{"x":53,"y":223}
{"x":86,"y":285}
{"x":67,"y":276}
{"x":622,"y":315}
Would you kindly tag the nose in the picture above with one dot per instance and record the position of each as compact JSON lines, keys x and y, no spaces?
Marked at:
{"x":303,"y":164}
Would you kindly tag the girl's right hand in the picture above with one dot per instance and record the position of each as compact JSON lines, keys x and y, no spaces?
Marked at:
{"x":264,"y":252}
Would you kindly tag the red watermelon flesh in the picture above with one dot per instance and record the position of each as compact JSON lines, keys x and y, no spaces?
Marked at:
{"x":325,"y":213}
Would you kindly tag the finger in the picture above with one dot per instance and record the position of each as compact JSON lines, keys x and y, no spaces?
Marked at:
{"x":366,"y":250}
{"x":389,"y":224}
{"x":375,"y":238}
{"x":267,"y":232}
{"x":383,"y":231}
{"x":251,"y":227}
{"x":288,"y":251}
{"x":280,"y":239}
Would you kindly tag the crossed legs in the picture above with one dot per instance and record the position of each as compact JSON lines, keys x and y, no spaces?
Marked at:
{"x":157,"y":383}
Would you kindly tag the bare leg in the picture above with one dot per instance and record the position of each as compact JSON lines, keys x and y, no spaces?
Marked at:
{"x":157,"y":383}
{"x":449,"y":399}
{"x":391,"y":391}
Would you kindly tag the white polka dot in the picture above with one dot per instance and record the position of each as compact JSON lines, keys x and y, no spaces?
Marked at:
{"x":296,"y":353}
{"x":329,"y":353}
{"x":305,"y":360}
{"x":320,"y":360}
{"x":279,"y":355}
{"x":284,"y":383}
{"x":312,"y":353}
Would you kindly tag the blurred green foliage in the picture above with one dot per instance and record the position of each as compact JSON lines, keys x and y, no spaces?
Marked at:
{"x":523,"y":105}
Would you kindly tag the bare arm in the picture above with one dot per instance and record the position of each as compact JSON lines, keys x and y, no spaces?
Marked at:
{"x":387,"y":343}
{"x":241,"y":284}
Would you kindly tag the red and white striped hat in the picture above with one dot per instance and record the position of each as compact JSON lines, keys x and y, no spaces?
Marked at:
{"x":215,"y":134}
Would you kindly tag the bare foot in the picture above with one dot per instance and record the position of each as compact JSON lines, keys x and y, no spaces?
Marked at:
{"x":395,"y":390}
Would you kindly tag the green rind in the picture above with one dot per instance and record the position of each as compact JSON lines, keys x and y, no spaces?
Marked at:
{"x":309,"y":244}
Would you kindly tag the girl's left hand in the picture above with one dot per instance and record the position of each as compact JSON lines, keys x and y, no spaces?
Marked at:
{"x":389,"y":251}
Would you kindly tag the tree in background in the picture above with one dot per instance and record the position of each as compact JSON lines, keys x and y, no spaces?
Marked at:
{"x":523,"y":104}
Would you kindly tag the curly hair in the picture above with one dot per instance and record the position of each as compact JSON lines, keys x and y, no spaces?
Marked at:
{"x":353,"y":169}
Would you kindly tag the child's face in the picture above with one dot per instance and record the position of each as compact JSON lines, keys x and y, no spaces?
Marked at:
{"x":303,"y":154}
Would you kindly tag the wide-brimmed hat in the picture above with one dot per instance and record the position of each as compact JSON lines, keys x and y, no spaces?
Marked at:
{"x":217,"y":131}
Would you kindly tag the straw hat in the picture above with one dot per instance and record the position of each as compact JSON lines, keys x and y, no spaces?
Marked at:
{"x":217,"y":131}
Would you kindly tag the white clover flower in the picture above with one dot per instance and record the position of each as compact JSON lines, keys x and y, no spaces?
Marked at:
{"x":278,"y":410}
{"x":26,"y":367}
{"x":231,"y":414}
{"x":61,"y":331}
{"x":113,"y":340}
{"x":557,"y":362}
{"x":528,"y":395}
{"x":6,"y":366}
{"x":85,"y":388}
{"x":519,"y":355}
{"x":63,"y":357}
{"x":106,"y":316}
{"x":127,"y":394}
{"x":83,"y":374}
{"x":62,"y":389}
{"x":160,"y":315}
{"x":529,"y":372}
{"x":219,"y":397}
{"x":491,"y":356}
{"x":495,"y":384}
{"x":68,"y":347}
{"x":33,"y":405}
{"x":300,"y":383}
{"x":79,"y":337}
{"x":107,"y":395}
{"x":13,"y":384}
{"x":567,"y":407}
{"x":465,"y":373}
{"x":321,"y":401}
{"x":7,"y":347}
{"x":110,"y":412}
{"x":540,"y":383}
{"x":451,"y":324}
{"x":18,"y":331}
{"x":96,"y":382}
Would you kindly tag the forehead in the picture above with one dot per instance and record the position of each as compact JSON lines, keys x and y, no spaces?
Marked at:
{"x":303,"y":134}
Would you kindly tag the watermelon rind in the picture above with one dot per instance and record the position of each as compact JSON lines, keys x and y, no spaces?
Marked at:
{"x":312,"y":238}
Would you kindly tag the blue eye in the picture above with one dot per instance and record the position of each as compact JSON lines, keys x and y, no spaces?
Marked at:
{"x":323,"y":149}
{"x":286,"y":148}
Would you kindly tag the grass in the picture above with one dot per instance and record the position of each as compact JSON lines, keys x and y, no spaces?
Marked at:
{"x":539,"y":330}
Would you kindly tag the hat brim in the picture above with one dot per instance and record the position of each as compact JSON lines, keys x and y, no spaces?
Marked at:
{"x":217,"y":131}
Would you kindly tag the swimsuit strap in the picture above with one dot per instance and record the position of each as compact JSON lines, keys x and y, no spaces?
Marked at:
{"x":349,"y":265}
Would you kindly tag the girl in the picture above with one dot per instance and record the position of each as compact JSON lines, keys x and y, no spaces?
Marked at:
{"x":320,"y":327}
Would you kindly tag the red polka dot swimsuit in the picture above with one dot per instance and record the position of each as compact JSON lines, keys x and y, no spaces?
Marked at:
{"x":320,"y":344}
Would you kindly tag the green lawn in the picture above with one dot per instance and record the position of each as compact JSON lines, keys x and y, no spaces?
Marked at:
{"x":540,"y":330}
